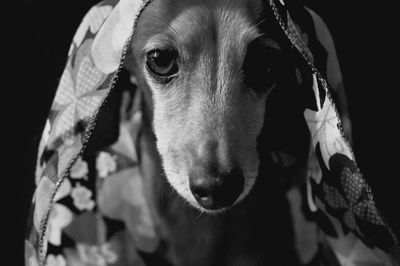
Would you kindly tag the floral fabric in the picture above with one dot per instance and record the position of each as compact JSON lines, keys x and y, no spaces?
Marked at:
{"x":90,"y":208}
{"x":339,"y":192}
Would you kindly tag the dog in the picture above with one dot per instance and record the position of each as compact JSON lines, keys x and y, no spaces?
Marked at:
{"x":211,"y":72}
{"x":193,"y":57}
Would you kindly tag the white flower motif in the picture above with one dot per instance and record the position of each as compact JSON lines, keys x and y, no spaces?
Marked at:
{"x":82,"y":198}
{"x":105,"y":164}
{"x":55,"y":260}
{"x":93,"y":20}
{"x":108,"y":253}
{"x":80,"y":169}
{"x":324,"y":130}
{"x":96,"y":255}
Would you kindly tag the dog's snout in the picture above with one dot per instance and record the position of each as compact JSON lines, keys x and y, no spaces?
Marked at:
{"x":216,"y":191}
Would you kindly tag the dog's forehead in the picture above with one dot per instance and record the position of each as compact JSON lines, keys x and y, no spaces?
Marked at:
{"x":169,"y":9}
{"x":222,"y":26}
{"x":194,"y":23}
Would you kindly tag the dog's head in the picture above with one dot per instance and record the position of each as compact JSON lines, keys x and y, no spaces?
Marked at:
{"x":208,"y":69}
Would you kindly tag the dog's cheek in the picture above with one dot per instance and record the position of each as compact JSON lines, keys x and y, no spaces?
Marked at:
{"x":254,"y":121}
{"x":168,"y":144}
{"x":161,"y":124}
{"x":173,"y":169}
{"x":161,"y":133}
{"x":177,"y":175}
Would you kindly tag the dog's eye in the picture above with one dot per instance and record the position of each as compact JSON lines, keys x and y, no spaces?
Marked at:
{"x":258,"y":67}
{"x":162,"y":64}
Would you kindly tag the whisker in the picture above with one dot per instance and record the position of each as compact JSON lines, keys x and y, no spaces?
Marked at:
{"x":260,"y":22}
{"x":200,"y":214}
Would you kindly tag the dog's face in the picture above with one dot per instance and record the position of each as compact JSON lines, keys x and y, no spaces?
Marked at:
{"x":206,"y":66}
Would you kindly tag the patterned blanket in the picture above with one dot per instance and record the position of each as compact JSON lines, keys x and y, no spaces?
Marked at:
{"x":90,"y":206}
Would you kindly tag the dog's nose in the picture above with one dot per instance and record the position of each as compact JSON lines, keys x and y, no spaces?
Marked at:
{"x":216,"y":192}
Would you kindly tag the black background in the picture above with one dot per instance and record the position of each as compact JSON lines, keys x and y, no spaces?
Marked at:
{"x":365,"y":37}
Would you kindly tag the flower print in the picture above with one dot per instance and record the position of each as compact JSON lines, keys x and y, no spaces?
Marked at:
{"x":323,"y":125}
{"x":32,"y":261}
{"x":43,"y":194}
{"x":345,"y":192}
{"x":93,"y":20}
{"x":79,"y":169}
{"x":55,"y":260}
{"x":82,"y":198}
{"x":105,"y":164}
{"x":60,"y":217}
{"x":111,"y":38}
{"x":122,"y":197}
{"x":96,"y":255}
{"x":108,"y":253}
{"x":31,"y":257}
{"x":77,"y":97}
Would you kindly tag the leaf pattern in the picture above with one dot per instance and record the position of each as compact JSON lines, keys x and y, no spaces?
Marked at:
{"x":344,"y":192}
{"x":323,"y":125}
{"x":60,"y":217}
{"x":93,"y":20}
{"x":79,"y":170}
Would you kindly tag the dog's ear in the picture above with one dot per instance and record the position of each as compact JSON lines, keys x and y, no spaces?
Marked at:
{"x":285,"y":129}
